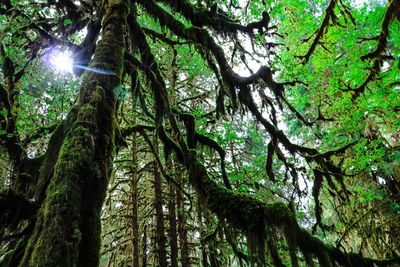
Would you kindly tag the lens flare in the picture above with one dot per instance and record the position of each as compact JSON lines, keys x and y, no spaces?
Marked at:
{"x":96,"y":70}
{"x":61,"y":61}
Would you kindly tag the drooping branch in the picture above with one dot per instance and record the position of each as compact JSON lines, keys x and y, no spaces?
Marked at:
{"x":246,"y":212}
{"x":263,"y":76}
{"x":378,"y":55}
{"x":241,"y":210}
{"x":330,"y":17}
{"x":162,"y":37}
{"x":193,"y":137}
{"x":232,"y":79}
{"x":44,"y":33}
{"x":392,"y":12}
{"x":217,"y":19}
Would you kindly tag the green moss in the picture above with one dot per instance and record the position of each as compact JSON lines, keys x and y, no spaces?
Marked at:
{"x":279,"y":214}
{"x":60,"y":218}
{"x":76,"y":167}
{"x":60,"y":215}
{"x":242,"y":210}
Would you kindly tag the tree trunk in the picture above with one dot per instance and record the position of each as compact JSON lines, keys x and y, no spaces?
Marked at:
{"x":67,"y":229}
{"x":173,"y":239}
{"x":134,"y":196}
{"x":144,"y":247}
{"x":160,"y":233}
{"x":183,"y":240}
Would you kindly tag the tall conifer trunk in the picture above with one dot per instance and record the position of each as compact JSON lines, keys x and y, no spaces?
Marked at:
{"x":144,"y":247}
{"x":134,"y":196}
{"x":160,"y":233}
{"x":183,"y":239}
{"x":67,"y":228}
{"x":173,"y":238}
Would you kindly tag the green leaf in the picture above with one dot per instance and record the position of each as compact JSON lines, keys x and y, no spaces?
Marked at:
{"x":67,"y":22}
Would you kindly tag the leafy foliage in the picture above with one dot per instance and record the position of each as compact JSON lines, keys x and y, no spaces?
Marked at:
{"x":273,"y":125}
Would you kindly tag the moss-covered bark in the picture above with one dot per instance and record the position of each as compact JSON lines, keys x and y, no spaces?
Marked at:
{"x":160,"y":227}
{"x":135,"y":204}
{"x":254,"y":216}
{"x":67,"y":229}
{"x":173,"y":238}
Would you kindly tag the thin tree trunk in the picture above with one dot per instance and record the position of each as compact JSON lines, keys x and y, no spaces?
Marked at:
{"x":134,"y":196}
{"x":211,"y":242}
{"x":173,"y":238}
{"x":203,"y":245}
{"x":160,"y":232}
{"x":144,"y":247}
{"x":183,"y":240}
{"x":204,"y":258}
{"x":67,"y":229}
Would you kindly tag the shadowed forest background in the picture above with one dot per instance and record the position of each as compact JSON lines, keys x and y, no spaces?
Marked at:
{"x":200,"y":133}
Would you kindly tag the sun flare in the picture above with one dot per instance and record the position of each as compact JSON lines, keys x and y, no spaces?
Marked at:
{"x":61,"y":61}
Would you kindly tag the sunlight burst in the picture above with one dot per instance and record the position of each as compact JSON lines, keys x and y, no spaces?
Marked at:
{"x":60,"y":60}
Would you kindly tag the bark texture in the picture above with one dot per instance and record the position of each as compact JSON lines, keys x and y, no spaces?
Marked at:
{"x":134,"y":196}
{"x":67,"y":229}
{"x":160,"y":233}
{"x":173,"y":238}
{"x":183,"y":239}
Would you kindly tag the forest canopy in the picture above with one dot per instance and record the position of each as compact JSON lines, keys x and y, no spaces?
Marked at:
{"x":200,"y":133}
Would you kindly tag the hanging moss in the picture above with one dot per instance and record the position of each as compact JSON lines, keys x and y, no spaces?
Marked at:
{"x":256,"y":245}
{"x":240,"y":209}
{"x":253,"y":216}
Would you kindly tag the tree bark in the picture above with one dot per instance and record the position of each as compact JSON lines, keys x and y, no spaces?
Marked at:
{"x":160,"y":233}
{"x":134,"y":196}
{"x":173,"y":239}
{"x":67,"y":228}
{"x":183,"y":239}
{"x":144,"y":247}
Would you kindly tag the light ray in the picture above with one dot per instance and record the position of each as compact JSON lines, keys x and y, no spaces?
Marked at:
{"x":62,"y":62}
{"x":93,"y":69}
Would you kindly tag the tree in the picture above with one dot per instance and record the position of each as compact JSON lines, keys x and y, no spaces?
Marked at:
{"x":73,"y":177}
{"x":319,"y":120}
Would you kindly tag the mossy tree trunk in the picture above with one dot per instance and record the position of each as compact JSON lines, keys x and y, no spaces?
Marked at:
{"x":67,"y":228}
{"x":160,"y":228}
{"x":183,"y":240}
{"x":173,"y":238}
{"x":134,"y":196}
